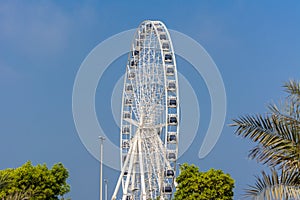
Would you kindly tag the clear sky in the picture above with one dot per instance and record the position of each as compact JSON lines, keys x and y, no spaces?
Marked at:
{"x":256,"y":46}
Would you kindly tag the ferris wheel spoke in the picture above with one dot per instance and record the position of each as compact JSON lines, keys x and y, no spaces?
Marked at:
{"x":153,"y":108}
{"x":132,"y":122}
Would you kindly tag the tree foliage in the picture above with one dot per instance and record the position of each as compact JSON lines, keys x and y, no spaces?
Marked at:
{"x":34,"y":182}
{"x":277,"y":138}
{"x":4,"y":180}
{"x":213,"y":184}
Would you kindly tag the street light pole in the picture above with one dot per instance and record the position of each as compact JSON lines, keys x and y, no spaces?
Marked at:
{"x":101,"y":159}
{"x":105,"y":181}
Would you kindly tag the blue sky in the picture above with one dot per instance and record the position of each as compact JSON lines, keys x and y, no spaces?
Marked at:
{"x":255,"y":45}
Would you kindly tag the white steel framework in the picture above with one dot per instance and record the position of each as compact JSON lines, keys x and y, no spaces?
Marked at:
{"x":149,"y":130}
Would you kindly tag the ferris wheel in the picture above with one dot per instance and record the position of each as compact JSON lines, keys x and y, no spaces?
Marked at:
{"x":149,"y":129}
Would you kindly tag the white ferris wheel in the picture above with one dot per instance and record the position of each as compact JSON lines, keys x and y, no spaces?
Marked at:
{"x":149,"y":129}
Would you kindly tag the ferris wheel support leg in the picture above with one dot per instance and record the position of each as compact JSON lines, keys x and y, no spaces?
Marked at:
{"x":133,"y":176}
{"x":142,"y":170}
{"x":151,"y":169}
{"x":158,"y":164}
{"x":121,"y":175}
{"x":130,"y":174}
{"x":133,"y":179}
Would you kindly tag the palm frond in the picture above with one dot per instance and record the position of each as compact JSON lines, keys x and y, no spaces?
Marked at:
{"x":275,"y":186}
{"x":288,"y":114}
{"x":278,"y":144}
{"x":293,"y":88}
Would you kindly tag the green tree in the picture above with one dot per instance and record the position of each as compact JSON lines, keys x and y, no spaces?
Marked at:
{"x":37,"y":182}
{"x":193,"y":184}
{"x":277,"y":136}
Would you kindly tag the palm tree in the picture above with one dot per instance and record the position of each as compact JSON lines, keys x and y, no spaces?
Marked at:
{"x":277,"y":138}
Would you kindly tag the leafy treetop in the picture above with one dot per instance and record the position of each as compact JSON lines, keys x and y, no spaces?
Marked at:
{"x":213,"y":184}
{"x":37,"y":182}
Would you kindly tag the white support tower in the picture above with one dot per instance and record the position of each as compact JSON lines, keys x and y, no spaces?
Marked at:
{"x":150,"y":117}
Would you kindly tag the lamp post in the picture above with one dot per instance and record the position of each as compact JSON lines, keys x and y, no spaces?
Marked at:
{"x":105,"y":181}
{"x":101,"y":158}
